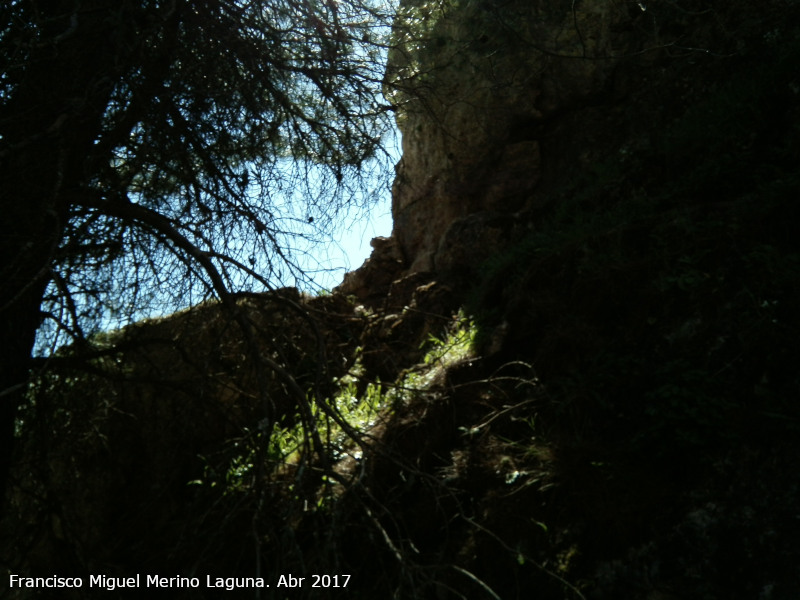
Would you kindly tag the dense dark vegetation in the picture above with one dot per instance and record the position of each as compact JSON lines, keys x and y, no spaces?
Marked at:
{"x":656,"y":296}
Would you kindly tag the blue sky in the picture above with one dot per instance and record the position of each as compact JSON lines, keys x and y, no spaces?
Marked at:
{"x":347,"y":246}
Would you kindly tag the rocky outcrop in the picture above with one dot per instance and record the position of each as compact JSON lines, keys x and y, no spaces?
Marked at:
{"x":371,"y":282}
{"x":473,"y":87}
{"x":474,"y":84}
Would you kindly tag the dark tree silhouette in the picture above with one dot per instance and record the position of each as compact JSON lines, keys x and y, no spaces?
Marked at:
{"x":148,"y":147}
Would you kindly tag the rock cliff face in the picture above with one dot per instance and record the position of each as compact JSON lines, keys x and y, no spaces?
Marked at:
{"x":501,"y":103}
{"x":473,"y":84}
{"x":473,"y":87}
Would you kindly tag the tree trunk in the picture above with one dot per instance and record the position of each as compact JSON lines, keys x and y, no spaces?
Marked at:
{"x":48,"y":128}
